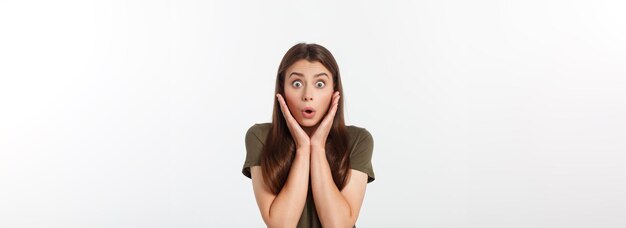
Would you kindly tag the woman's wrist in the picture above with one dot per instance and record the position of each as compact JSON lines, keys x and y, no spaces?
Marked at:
{"x":317,"y":147}
{"x":302,"y":148}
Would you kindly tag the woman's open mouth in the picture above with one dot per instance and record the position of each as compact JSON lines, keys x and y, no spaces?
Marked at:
{"x":308,"y":112}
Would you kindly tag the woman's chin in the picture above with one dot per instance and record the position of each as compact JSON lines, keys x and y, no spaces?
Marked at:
{"x":307,"y":122}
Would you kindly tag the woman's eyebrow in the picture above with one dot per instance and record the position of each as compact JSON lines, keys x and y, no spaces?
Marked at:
{"x":302,"y":75}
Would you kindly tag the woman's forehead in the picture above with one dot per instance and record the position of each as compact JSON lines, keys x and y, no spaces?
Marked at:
{"x":306,"y":68}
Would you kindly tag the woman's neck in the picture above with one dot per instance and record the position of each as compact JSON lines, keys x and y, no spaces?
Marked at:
{"x":310,"y":130}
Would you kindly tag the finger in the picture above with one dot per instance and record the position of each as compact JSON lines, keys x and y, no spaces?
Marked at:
{"x":335,"y":95}
{"x":335,"y":106}
{"x":292,"y":123}
{"x":285,"y":109}
{"x":328,"y":119}
{"x":333,"y":100}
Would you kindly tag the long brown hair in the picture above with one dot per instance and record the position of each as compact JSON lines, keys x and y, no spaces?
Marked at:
{"x":279,"y":150}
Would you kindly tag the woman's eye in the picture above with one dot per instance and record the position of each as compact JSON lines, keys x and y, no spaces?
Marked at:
{"x":296,"y":84}
{"x":320,"y":84}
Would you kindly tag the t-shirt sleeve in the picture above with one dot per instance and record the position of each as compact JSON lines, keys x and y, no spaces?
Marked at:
{"x":254,"y":145}
{"x":361,"y":154}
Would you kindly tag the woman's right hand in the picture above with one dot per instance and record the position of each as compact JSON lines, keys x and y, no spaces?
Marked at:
{"x":297,"y":133}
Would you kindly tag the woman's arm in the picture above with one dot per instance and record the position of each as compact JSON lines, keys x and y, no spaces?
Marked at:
{"x":284,"y":209}
{"x":335,"y":208}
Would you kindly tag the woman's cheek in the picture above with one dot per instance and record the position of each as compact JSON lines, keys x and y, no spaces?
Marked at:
{"x":293,"y":111}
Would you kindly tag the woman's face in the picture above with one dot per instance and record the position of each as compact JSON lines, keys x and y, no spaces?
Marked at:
{"x":308,"y":91}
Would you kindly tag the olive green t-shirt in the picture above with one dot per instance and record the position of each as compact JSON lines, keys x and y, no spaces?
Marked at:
{"x":360,"y":146}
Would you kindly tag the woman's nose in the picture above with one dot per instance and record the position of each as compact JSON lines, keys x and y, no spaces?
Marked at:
{"x":307,"y":94}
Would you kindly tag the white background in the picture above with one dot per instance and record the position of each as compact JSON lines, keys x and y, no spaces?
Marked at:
{"x":484,"y":113}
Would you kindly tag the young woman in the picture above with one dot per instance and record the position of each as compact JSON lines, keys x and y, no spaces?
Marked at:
{"x":308,"y":168}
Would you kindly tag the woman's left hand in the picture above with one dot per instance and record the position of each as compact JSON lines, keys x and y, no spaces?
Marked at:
{"x":318,"y":139}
